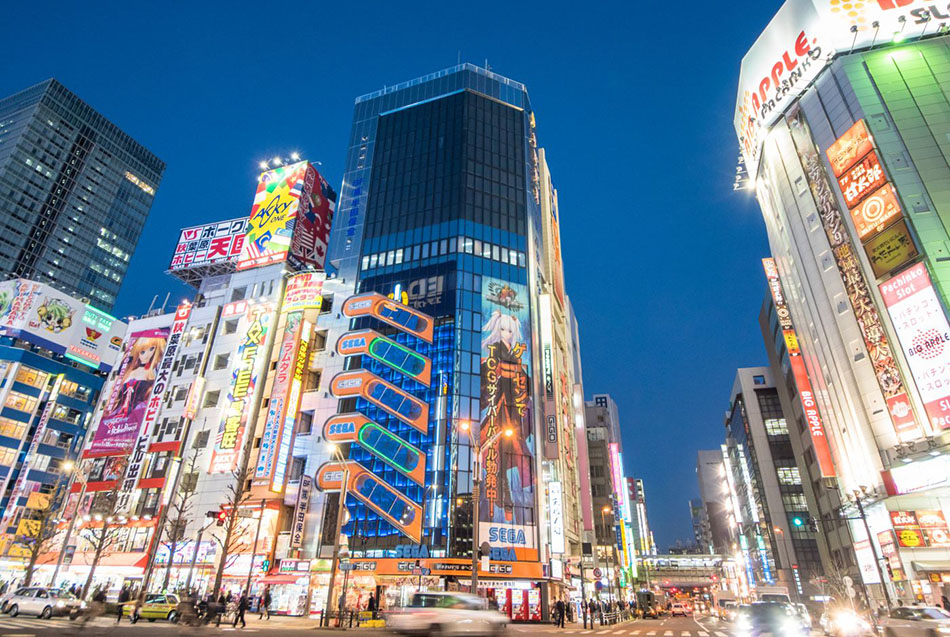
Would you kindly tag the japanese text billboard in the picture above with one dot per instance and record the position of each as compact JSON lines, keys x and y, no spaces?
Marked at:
{"x":862,"y":179}
{"x":247,"y":364}
{"x":506,"y":511}
{"x":874,"y":213}
{"x":209,"y":244}
{"x":44,"y":316}
{"x":128,"y":398}
{"x":314,"y":219}
{"x":924,"y":334}
{"x":133,"y":469}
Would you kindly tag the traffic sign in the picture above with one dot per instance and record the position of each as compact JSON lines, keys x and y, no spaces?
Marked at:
{"x":847,"y":581}
{"x":598,"y":573}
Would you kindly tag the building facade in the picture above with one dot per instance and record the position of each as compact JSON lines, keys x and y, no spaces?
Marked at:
{"x":848,"y":162}
{"x":766,"y":484}
{"x":55,"y":353}
{"x":714,"y":495}
{"x":448,"y":210}
{"x":75,"y":192}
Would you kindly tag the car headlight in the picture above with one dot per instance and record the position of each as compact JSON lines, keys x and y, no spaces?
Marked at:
{"x":944,"y":630}
{"x":60,"y":604}
{"x":82,"y":605}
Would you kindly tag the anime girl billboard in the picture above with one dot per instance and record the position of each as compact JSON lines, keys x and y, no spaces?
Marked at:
{"x":507,"y":496}
{"x":123,"y":413}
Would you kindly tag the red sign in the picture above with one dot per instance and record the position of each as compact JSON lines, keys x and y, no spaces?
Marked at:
{"x":850,"y":147}
{"x":874,"y":213}
{"x":863,"y":179}
{"x":813,"y":418}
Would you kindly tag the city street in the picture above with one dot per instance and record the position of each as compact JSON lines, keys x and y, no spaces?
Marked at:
{"x":669,"y":627}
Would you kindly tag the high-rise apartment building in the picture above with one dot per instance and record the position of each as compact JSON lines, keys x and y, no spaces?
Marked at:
{"x":841,"y":116}
{"x":75,"y":192}
{"x":766,"y":486}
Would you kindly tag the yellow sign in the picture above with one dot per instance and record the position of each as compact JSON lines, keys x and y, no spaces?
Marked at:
{"x":38,"y":500}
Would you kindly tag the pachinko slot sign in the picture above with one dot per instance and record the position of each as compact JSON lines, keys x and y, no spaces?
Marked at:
{"x":924,"y":334}
{"x":249,"y":359}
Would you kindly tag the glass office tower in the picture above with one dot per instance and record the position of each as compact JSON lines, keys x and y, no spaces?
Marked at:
{"x":74,"y":193}
{"x":440,"y":210}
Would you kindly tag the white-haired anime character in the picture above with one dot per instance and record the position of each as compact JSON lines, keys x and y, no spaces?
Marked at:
{"x":505,"y":386}
{"x":505,"y":329}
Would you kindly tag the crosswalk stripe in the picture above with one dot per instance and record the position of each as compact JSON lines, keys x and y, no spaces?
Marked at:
{"x":602,"y":632}
{"x":703,"y":634}
{"x":619,"y":632}
{"x":668,"y":633}
{"x":686,"y":633}
{"x":652,"y":632}
{"x":719,"y":633}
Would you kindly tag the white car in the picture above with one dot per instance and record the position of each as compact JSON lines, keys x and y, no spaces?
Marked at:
{"x":42,"y":602}
{"x":679,"y":608}
{"x":916,"y":620}
{"x":439,"y":613}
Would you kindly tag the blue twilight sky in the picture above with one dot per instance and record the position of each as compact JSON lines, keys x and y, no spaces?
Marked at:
{"x":634,"y":105}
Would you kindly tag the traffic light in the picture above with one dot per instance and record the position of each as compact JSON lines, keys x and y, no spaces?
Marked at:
{"x":798,"y":521}
{"x":222,"y":516}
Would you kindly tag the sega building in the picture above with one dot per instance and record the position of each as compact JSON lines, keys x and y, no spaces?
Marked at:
{"x":844,"y":123}
{"x":440,"y":230}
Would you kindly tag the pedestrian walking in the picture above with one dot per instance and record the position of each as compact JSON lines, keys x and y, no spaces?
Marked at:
{"x":371,"y":605}
{"x":241,"y":608}
{"x":124,"y":596}
{"x":559,"y":616}
{"x":265,"y":603}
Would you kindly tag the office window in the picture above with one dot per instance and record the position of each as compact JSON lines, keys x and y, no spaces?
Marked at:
{"x":788,"y":475}
{"x":22,"y":402}
{"x":776,"y":427}
{"x":32,"y":377}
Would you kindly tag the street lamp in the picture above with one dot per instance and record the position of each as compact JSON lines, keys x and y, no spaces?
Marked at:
{"x":858,"y":494}
{"x":334,"y":450}
{"x":477,"y":450}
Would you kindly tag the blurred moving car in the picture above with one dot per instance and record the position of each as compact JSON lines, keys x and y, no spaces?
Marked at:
{"x":728,"y":610}
{"x":768,"y":618}
{"x":439,"y":613}
{"x":844,"y":623}
{"x":803,"y":613}
{"x":916,"y":620}
{"x":679,"y":608}
{"x":42,"y":602}
{"x":155,"y":606}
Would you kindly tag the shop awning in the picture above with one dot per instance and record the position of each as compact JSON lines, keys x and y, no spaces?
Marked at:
{"x":935,"y":566}
{"x":280,"y":579}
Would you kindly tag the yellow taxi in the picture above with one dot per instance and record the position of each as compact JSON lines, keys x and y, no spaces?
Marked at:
{"x":155,"y":606}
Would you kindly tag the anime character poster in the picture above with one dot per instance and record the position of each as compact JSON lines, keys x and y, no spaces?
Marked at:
{"x":123,"y":413}
{"x":507,"y":499}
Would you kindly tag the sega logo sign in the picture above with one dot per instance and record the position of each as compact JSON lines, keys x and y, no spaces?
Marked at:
{"x":350,"y":383}
{"x":338,"y":428}
{"x":352,"y":343}
{"x":360,"y":305}
{"x":507,"y":536}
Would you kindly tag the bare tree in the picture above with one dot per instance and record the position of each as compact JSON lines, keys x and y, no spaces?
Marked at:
{"x":102,"y":529}
{"x":35,"y":532}
{"x":180,"y":513}
{"x":238,"y":494}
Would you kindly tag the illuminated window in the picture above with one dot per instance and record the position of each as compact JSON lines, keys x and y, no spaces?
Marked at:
{"x":788,"y":475}
{"x":12,"y":428}
{"x":67,"y":414}
{"x":397,"y":356}
{"x":74,"y":390}
{"x":32,"y":377}
{"x":7,"y":456}
{"x":394,"y":401}
{"x":776,"y":427}
{"x":22,"y":402}
{"x":388,"y":446}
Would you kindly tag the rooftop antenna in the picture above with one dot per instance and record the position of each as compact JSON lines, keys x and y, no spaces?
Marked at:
{"x":165,"y":302}
{"x":487,"y":68}
{"x":459,"y":62}
{"x":151,"y":305}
